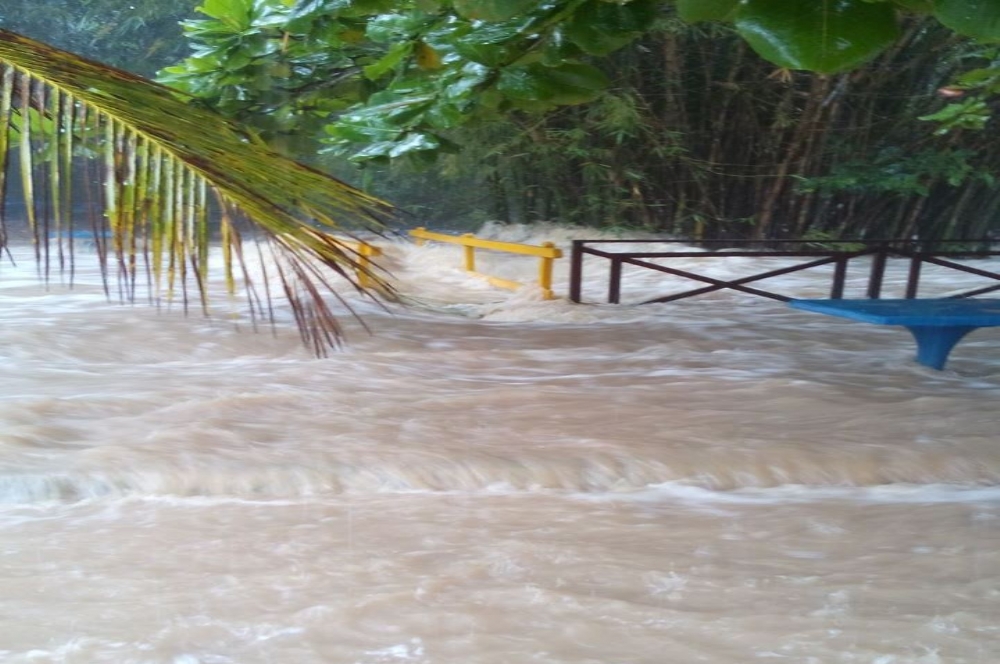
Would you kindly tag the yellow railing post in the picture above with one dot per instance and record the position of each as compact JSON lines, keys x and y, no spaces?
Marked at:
{"x":545,"y":273}
{"x":547,"y":253}
{"x":365,"y":252}
{"x":470,"y":255}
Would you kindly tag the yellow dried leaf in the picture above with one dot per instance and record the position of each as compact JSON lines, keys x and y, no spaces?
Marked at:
{"x":427,"y":57}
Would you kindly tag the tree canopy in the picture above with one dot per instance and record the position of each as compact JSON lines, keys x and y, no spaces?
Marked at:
{"x":388,"y":79}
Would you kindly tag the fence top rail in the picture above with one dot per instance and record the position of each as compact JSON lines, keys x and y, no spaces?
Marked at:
{"x":724,"y":253}
{"x":875,"y":242}
{"x":547,"y":250}
{"x":842,"y":248}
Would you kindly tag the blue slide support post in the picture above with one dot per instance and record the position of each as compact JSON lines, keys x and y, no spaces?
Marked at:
{"x":934,"y":343}
{"x":937,"y":324}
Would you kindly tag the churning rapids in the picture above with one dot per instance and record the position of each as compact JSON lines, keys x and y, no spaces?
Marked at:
{"x":491,"y":478}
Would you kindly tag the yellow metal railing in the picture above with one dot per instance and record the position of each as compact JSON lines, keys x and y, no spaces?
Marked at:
{"x":365,"y":252}
{"x":546,"y":253}
{"x":362,"y":255}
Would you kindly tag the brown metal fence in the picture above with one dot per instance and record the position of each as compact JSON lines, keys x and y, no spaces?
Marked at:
{"x":839,"y":254}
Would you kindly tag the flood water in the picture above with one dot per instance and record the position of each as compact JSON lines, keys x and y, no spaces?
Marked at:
{"x":489,"y":478}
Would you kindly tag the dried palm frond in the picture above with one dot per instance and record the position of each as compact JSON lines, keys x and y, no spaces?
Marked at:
{"x":175,"y":178}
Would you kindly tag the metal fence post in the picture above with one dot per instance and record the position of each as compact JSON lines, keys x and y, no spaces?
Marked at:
{"x":839,"y":278}
{"x":878,"y":271}
{"x":576,"y":272}
{"x":615,"y":281}
{"x":913,"y":279}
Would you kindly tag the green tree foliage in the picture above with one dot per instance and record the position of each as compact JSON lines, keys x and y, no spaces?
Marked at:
{"x":401,"y":80}
{"x":975,"y":89}
{"x":739,"y":118}
{"x":395,"y":79}
{"x":700,"y":138}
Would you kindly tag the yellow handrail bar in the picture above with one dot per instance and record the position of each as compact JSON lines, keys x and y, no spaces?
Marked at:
{"x":546,"y":253}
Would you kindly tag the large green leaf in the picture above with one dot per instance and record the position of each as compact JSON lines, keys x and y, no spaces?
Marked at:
{"x":975,"y":18}
{"x":917,"y":6}
{"x":600,"y":28}
{"x":493,"y":10}
{"x":569,"y":83}
{"x":366,"y":7}
{"x":820,"y":35}
{"x":389,"y":61}
{"x":488,"y":44}
{"x":693,"y":11}
{"x":234,"y":13}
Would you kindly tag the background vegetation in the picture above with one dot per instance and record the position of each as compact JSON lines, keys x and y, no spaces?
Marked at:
{"x":698,"y":136}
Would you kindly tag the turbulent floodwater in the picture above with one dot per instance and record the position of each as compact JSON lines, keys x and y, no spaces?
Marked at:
{"x":491,"y":478}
